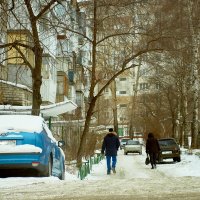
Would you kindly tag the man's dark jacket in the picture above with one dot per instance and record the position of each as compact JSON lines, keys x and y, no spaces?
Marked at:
{"x":110,"y":144}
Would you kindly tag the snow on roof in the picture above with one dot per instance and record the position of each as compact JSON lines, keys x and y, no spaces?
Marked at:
{"x":17,"y":123}
{"x":47,"y":111}
{"x":16,"y":85}
{"x":58,"y":108}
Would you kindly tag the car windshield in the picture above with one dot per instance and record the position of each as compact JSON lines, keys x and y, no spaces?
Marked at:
{"x":166,"y":142}
{"x":124,"y":140}
{"x":133,"y":142}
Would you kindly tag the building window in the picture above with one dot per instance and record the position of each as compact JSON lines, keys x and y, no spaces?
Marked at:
{"x":122,"y":79}
{"x":122,"y":92}
{"x":79,"y":99}
{"x":122,"y":118}
{"x":60,"y":85}
{"x":106,"y":90}
{"x":157,"y":86}
{"x":123,"y":105}
{"x":144,"y":72}
{"x":107,"y":114}
{"x":144,"y":86}
{"x":106,"y":103}
{"x":134,"y":87}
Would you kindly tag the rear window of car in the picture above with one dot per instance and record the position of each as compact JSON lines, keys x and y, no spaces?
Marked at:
{"x":124,"y":140}
{"x":167,"y":142}
{"x":133,"y":142}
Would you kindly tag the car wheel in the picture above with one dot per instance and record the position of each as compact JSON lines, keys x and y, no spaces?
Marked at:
{"x":49,"y":168}
{"x":62,"y":176}
{"x":178,"y":159}
{"x":160,"y":159}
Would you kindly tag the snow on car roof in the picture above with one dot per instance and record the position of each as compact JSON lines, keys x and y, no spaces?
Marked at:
{"x":17,"y":123}
{"x":24,"y":123}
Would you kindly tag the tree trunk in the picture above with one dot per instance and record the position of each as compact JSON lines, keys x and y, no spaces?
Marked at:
{"x":186,"y":131}
{"x":85,"y":132}
{"x":37,"y":82}
{"x":195,"y":55}
{"x":115,"y":107}
{"x":92,"y":99}
{"x":132,"y":115}
{"x":38,"y":53}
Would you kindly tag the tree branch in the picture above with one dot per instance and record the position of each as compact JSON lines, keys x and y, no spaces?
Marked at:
{"x":114,"y":35}
{"x":12,"y":44}
{"x":23,"y":57}
{"x":45,"y":8}
{"x":113,"y":78}
{"x":76,"y":32}
{"x":13,"y":6}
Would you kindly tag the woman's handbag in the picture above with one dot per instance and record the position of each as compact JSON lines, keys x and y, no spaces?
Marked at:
{"x":147,"y":160}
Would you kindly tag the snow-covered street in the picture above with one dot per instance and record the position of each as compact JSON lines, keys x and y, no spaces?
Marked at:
{"x":134,"y":180}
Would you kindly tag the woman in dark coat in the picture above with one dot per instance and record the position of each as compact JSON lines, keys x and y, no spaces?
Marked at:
{"x":152,"y":148}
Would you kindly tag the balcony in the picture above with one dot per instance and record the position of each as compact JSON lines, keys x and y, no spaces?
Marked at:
{"x":80,"y":87}
{"x":71,"y":76}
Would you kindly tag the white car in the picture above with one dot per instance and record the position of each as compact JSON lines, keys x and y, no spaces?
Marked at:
{"x":132,"y":146}
{"x":123,"y":141}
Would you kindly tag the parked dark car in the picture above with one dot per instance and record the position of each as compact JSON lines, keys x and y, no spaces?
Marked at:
{"x":169,"y":149}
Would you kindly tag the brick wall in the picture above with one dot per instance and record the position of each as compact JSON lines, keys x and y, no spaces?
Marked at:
{"x":13,"y":95}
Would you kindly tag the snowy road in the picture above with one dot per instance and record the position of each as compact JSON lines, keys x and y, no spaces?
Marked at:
{"x":134,"y":180}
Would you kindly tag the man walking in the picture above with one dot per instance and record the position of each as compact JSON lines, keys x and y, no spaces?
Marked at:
{"x":110,"y":146}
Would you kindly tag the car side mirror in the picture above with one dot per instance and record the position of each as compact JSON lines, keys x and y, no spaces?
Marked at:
{"x":61,"y":143}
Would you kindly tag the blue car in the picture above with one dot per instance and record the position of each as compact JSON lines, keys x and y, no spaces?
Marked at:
{"x":26,"y":143}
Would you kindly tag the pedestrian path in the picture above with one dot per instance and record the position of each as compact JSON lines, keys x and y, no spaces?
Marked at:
{"x":129,"y":166}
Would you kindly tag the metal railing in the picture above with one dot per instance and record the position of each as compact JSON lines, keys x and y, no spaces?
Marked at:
{"x":86,"y":167}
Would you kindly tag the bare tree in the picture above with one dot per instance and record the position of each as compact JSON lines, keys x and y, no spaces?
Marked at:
{"x":178,"y":67}
{"x":193,"y":10}
{"x":127,"y":59}
{"x":31,"y":24}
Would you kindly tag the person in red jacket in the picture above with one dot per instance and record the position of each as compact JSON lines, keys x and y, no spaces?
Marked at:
{"x":110,"y":146}
{"x":152,"y":148}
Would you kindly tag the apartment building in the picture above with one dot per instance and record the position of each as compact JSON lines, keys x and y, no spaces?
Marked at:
{"x":63,"y":54}
{"x":113,"y":107}
{"x":67,"y":61}
{"x":73,"y":57}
